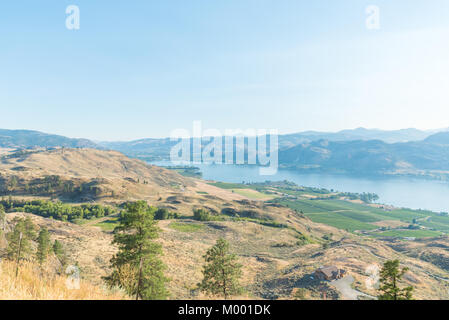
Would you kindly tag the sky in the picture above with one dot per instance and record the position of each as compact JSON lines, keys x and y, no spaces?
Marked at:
{"x":139,"y":69}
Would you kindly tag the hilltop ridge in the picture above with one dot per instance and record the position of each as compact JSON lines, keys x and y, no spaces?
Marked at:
{"x":84,"y":174}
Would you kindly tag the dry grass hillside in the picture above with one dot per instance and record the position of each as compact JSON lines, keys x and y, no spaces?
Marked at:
{"x":278,"y":247}
{"x":85,"y":174}
{"x":29,"y":285}
{"x":275,"y":265}
{"x":433,"y":250}
{"x":86,"y":248}
{"x":90,"y":248}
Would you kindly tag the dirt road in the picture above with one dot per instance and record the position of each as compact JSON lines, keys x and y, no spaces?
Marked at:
{"x":343,"y":285}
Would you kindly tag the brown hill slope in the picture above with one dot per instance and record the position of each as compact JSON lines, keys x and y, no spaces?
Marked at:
{"x":84,"y":174}
{"x":275,"y":265}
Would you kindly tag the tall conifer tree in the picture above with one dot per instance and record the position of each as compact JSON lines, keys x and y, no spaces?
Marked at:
{"x":137,"y":267}
{"x":43,"y":246}
{"x":221,"y":271}
{"x":390,"y":275}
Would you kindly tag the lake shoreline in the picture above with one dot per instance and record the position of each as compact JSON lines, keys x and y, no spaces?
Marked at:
{"x":400,"y":192}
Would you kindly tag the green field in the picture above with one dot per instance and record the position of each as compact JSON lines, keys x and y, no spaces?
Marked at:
{"x":186,"y":227}
{"x":353,"y":216}
{"x":225,"y":185}
{"x":346,"y":215}
{"x":253,"y":194}
{"x":109,"y":224}
{"x":338,"y":220}
{"x":408,"y":233}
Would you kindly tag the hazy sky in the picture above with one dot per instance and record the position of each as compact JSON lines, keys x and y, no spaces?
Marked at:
{"x":140,"y":69}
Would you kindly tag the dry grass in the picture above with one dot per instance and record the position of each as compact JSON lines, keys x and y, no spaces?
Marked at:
{"x":271,"y":270}
{"x":121,"y":177}
{"x":88,"y":247}
{"x":30,"y":285}
{"x":225,"y":194}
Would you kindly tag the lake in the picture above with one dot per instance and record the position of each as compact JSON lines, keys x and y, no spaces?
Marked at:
{"x":398,"y":191}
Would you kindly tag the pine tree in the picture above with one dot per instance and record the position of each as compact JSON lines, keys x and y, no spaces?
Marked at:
{"x":20,"y":238}
{"x":221,"y":271}
{"x":2,"y":225}
{"x":2,"y":219}
{"x":57,"y":248}
{"x":60,"y":253}
{"x":137,"y":267}
{"x":10,"y":203}
{"x":390,"y":275}
{"x":44,"y":246}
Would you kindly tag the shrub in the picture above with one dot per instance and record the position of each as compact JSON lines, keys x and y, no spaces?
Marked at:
{"x":164,"y":214}
{"x":201,"y":215}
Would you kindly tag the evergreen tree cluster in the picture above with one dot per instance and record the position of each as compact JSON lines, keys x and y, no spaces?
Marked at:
{"x":165,"y":214}
{"x":58,"y":210}
{"x":138,"y":269}
{"x":27,"y":242}
{"x":202,"y":215}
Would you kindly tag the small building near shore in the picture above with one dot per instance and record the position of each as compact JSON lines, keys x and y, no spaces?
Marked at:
{"x":329,"y":273}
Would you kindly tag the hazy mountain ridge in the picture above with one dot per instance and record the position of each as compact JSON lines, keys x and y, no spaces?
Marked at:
{"x":358,"y":151}
{"x":391,"y":136}
{"x":367,"y":157}
{"x":159,"y":149}
{"x":438,"y":138}
{"x":32,"y":139}
{"x":152,"y":148}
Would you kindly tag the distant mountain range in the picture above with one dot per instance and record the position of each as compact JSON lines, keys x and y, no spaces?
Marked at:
{"x":150,"y":149}
{"x":403,"y":135}
{"x":359,"y":151}
{"x":32,"y":139}
{"x":373,"y":157}
{"x":160,"y":148}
